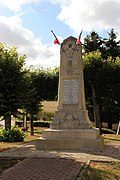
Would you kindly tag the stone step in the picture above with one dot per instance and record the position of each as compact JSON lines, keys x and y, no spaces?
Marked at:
{"x":70,"y":144}
{"x":92,"y":133}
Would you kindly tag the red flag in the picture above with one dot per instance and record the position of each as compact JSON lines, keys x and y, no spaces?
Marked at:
{"x":79,"y":38}
{"x":56,"y":41}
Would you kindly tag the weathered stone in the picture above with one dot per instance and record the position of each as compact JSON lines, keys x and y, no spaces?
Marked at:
{"x":71,"y":127}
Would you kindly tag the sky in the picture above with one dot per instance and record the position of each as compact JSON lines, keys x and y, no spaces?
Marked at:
{"x":27,"y":24}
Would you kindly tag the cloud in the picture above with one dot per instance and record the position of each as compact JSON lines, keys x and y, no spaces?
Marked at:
{"x":91,"y":14}
{"x":87,"y":14}
{"x":12,"y":33}
{"x":16,"y":5}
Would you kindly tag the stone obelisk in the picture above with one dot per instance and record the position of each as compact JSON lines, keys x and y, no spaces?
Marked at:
{"x":71,"y":128}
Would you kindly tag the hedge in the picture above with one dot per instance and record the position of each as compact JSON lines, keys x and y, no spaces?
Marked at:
{"x":41,"y":123}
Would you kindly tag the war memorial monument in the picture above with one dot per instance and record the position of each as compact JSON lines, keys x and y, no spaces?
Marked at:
{"x":71,"y":128}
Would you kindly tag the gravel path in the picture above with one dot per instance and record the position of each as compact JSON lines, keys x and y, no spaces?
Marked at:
{"x":111,"y":152}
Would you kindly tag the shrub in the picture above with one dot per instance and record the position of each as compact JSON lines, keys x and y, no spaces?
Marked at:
{"x":13,"y":135}
{"x":47,"y":116}
{"x":42,"y":124}
{"x":19,"y":123}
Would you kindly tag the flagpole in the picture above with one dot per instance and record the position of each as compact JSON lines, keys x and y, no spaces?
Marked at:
{"x":58,"y":41}
{"x":81,"y":33}
{"x":54,"y":34}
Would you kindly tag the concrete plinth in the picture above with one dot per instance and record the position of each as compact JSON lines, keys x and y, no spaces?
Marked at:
{"x":82,"y":139}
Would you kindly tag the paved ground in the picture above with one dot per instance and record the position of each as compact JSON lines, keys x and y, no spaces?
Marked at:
{"x":41,"y":168}
{"x":53,"y":165}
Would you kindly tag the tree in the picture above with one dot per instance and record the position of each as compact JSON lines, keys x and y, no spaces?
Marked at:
{"x":93,"y":62}
{"x":102,"y":88}
{"x":111,"y":46}
{"x":102,"y":83}
{"x":108,"y":80}
{"x":46,"y":83}
{"x":31,"y":97}
{"x":108,"y":47}
{"x":93,"y":42}
{"x":11,"y":75}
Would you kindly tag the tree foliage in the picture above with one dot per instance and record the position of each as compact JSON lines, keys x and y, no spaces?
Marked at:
{"x":11,"y":75}
{"x":93,"y":62}
{"x":102,"y":82}
{"x":111,"y":46}
{"x":108,"y":80}
{"x":46,"y":83}
{"x":23,"y":88}
{"x":101,"y":68}
{"x":92,"y":42}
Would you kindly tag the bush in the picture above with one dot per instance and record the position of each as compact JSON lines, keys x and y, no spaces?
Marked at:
{"x":108,"y":131}
{"x":47,"y":116}
{"x":13,"y":135}
{"x":19,"y":123}
{"x":41,"y":124}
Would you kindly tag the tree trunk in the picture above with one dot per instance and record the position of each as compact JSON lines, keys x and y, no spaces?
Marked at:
{"x":31,"y":126}
{"x":109,"y":119}
{"x":25,"y":120}
{"x":7,"y":122}
{"x":98,"y":122}
{"x":96,"y":111}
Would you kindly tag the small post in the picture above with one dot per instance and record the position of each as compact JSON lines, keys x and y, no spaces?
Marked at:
{"x":118,"y":128}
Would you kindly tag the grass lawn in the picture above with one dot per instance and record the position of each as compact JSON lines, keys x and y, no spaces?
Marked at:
{"x":101,"y":171}
{"x":111,"y":138}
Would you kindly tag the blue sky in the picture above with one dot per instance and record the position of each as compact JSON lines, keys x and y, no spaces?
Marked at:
{"x":41,"y":18}
{"x":27,"y":24}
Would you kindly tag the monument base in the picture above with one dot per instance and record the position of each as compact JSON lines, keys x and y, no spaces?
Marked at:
{"x":69,"y":118}
{"x":74,"y":139}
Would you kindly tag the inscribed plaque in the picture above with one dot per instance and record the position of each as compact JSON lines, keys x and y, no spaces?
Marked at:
{"x":70,"y":91}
